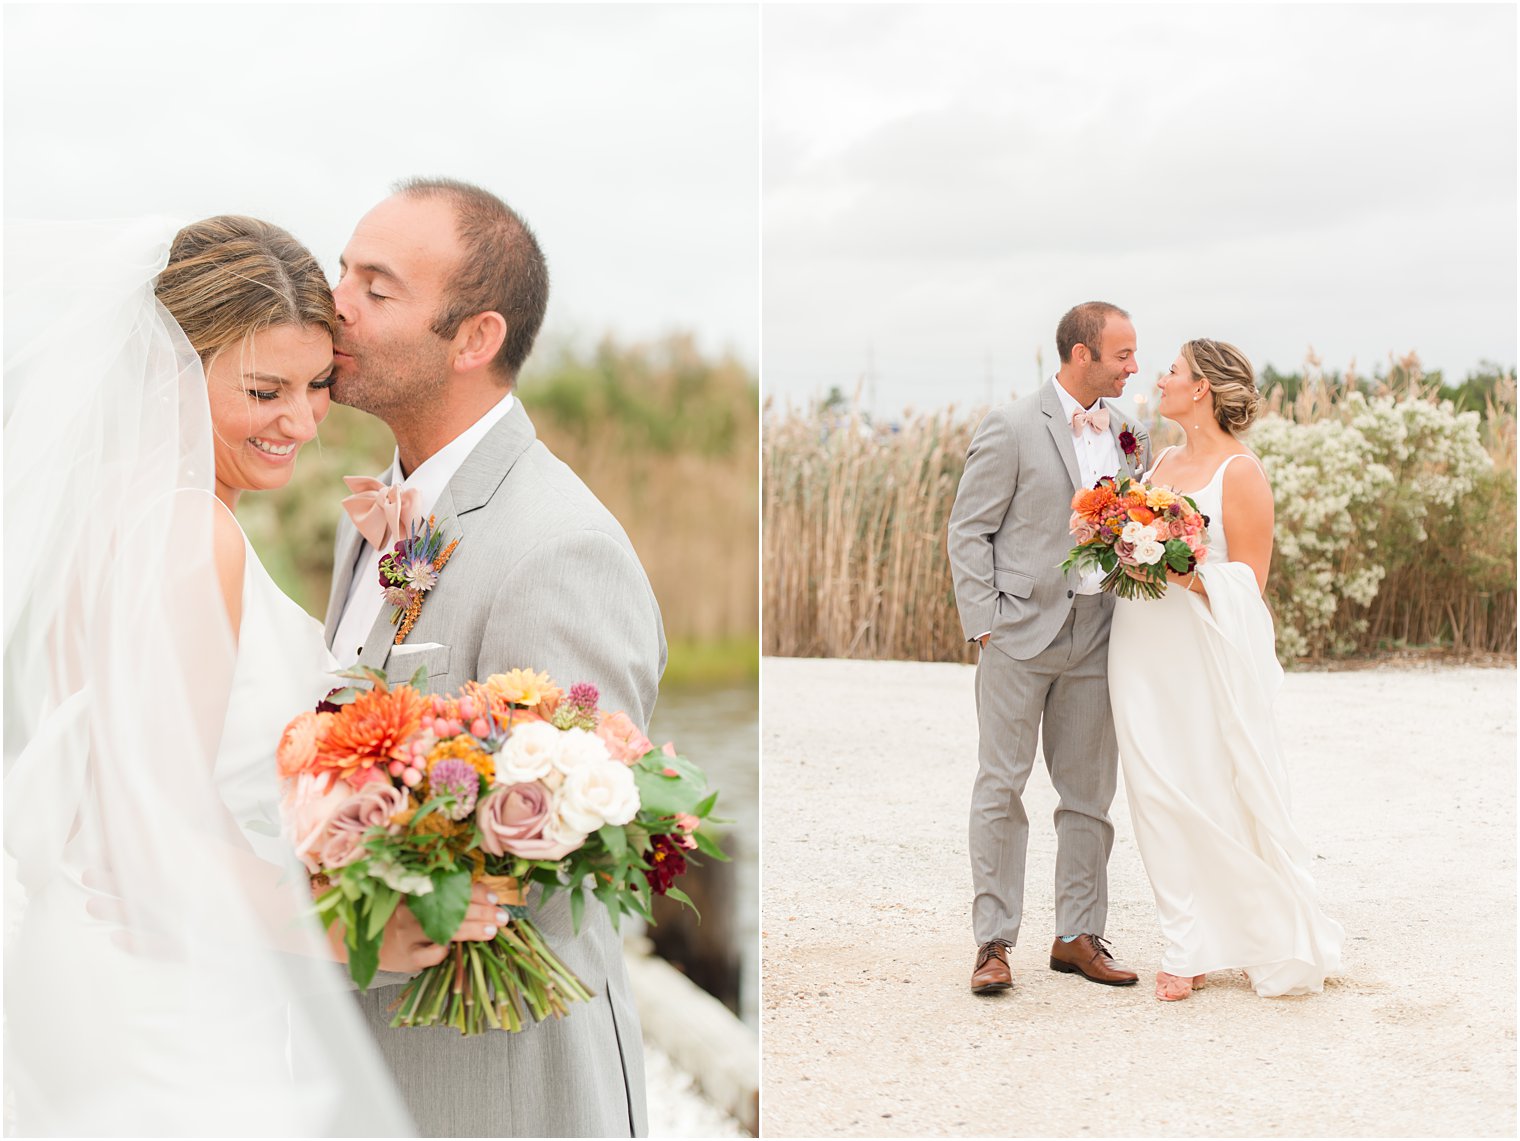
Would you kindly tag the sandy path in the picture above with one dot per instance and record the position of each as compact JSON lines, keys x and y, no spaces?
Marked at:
{"x":1405,"y":789}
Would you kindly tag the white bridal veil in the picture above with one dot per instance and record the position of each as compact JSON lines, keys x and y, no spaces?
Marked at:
{"x":158,"y":979}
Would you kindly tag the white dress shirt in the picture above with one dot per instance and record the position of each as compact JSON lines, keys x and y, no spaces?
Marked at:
{"x":365,"y":596}
{"x":1097,"y":458}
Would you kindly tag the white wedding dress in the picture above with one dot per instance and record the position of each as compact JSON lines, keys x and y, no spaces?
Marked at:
{"x":164,"y":975}
{"x":1191,"y":683}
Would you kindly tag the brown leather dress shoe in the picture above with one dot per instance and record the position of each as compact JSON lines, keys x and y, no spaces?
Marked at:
{"x":991,"y":973}
{"x":1088,"y":956}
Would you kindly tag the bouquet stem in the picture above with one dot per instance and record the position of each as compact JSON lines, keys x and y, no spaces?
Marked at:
{"x":479,"y":985}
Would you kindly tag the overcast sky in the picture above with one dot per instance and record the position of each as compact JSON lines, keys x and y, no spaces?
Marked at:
{"x":628,"y":136}
{"x":942,"y":183}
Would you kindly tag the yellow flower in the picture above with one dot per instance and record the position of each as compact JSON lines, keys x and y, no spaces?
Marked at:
{"x":525,"y":687}
{"x":1159,"y":498}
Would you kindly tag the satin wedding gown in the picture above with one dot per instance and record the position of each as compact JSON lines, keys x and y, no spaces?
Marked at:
{"x":1191,"y":685}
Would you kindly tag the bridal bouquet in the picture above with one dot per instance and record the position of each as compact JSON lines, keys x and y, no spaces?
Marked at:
{"x":392,"y":796}
{"x":1134,"y":533}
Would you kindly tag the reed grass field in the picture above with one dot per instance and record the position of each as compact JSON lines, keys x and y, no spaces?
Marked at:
{"x":666,"y":437}
{"x":1395,"y":522}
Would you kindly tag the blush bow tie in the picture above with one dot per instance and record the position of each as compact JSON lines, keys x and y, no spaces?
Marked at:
{"x":1097,"y":420}
{"x":383,"y":513}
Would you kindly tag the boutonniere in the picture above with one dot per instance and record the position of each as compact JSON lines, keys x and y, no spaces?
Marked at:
{"x":1127,"y":442}
{"x":411,"y":569}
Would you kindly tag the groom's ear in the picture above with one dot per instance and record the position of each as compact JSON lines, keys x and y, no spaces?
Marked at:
{"x":479,"y":340}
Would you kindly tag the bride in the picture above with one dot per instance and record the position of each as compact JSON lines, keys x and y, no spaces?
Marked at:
{"x":1192,"y":679}
{"x":163,"y":974}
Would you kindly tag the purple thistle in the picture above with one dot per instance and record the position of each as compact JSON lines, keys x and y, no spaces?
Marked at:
{"x":584,"y":695}
{"x":456,"y":778}
{"x":397,"y":596}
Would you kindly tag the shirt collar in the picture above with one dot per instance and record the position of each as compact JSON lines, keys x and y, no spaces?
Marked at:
{"x":435,"y":472}
{"x":1069,"y":403}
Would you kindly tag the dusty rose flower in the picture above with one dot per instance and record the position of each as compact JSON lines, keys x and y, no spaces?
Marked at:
{"x":622,"y":737}
{"x":310,"y":803}
{"x":372,"y":806}
{"x":513,"y":820}
{"x":298,"y":745}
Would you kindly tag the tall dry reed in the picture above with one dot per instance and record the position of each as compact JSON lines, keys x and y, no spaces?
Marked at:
{"x":855,"y":517}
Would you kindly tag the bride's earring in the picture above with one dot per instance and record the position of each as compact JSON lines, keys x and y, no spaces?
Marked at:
{"x":1196,"y":399}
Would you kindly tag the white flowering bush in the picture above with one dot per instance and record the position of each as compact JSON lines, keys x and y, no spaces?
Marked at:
{"x":1356,"y":497}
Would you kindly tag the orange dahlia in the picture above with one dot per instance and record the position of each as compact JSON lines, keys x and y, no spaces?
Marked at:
{"x":371,"y":730}
{"x":1090,"y":501}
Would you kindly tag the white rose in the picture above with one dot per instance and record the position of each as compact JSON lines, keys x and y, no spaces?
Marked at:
{"x":560,"y":830}
{"x":579,"y":750}
{"x":1148,"y":552}
{"x":597,"y":794}
{"x":1131,"y":532}
{"x":529,"y":753}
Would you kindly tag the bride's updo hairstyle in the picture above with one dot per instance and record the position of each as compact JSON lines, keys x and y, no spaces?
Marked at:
{"x":230,"y":277}
{"x":1232,"y":382}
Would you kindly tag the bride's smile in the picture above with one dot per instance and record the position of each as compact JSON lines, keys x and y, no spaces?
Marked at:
{"x":267,"y":398}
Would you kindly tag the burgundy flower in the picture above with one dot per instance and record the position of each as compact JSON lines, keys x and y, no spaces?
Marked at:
{"x":1128,"y":442}
{"x":327,"y":705}
{"x":665,"y":863}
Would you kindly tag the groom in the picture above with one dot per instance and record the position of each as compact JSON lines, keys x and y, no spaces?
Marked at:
{"x":442,"y":291}
{"x":1043,"y":670}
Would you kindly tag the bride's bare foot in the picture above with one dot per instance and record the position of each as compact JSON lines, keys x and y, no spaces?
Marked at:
{"x":1170,"y":988}
{"x":1198,"y":981}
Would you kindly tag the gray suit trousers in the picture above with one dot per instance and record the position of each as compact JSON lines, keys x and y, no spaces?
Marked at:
{"x":1063,"y":688}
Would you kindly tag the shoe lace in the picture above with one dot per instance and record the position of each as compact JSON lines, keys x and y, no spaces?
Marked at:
{"x":1100,"y":946}
{"x":986,"y":950}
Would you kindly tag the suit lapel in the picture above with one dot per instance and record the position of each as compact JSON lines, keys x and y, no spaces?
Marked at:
{"x":1117,"y":426}
{"x":472,"y":487}
{"x":1060,"y":431}
{"x":487,"y":466}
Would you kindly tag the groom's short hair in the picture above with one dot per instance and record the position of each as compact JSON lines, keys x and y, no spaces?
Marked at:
{"x":1083,"y":325}
{"x":502,"y":269}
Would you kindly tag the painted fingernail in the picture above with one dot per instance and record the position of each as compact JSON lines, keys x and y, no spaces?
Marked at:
{"x":490,"y":932}
{"x":502,"y":917}
{"x":490,"y":897}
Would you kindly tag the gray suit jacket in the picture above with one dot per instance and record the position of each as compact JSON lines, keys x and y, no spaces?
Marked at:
{"x":543,"y":578}
{"x":1008,"y":528}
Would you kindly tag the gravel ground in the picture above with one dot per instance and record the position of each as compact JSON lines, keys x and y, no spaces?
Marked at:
{"x":1404,"y":786}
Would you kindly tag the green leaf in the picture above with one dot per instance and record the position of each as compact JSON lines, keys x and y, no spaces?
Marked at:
{"x":443,"y":909}
{"x":707,"y":844}
{"x":608,"y":894}
{"x":681,"y":897}
{"x":419,"y":680}
{"x":363,"y":951}
{"x":380,"y":911}
{"x":577,"y":907}
{"x":706,"y":806}
{"x":662,"y":795}
{"x":615,"y":838}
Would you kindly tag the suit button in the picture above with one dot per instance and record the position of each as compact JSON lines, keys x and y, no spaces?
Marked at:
{"x":1071,"y":594}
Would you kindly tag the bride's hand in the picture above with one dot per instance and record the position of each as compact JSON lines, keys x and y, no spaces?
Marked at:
{"x":407,"y":949}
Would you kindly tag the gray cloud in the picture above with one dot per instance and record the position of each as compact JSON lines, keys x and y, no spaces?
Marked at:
{"x":940,"y":184}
